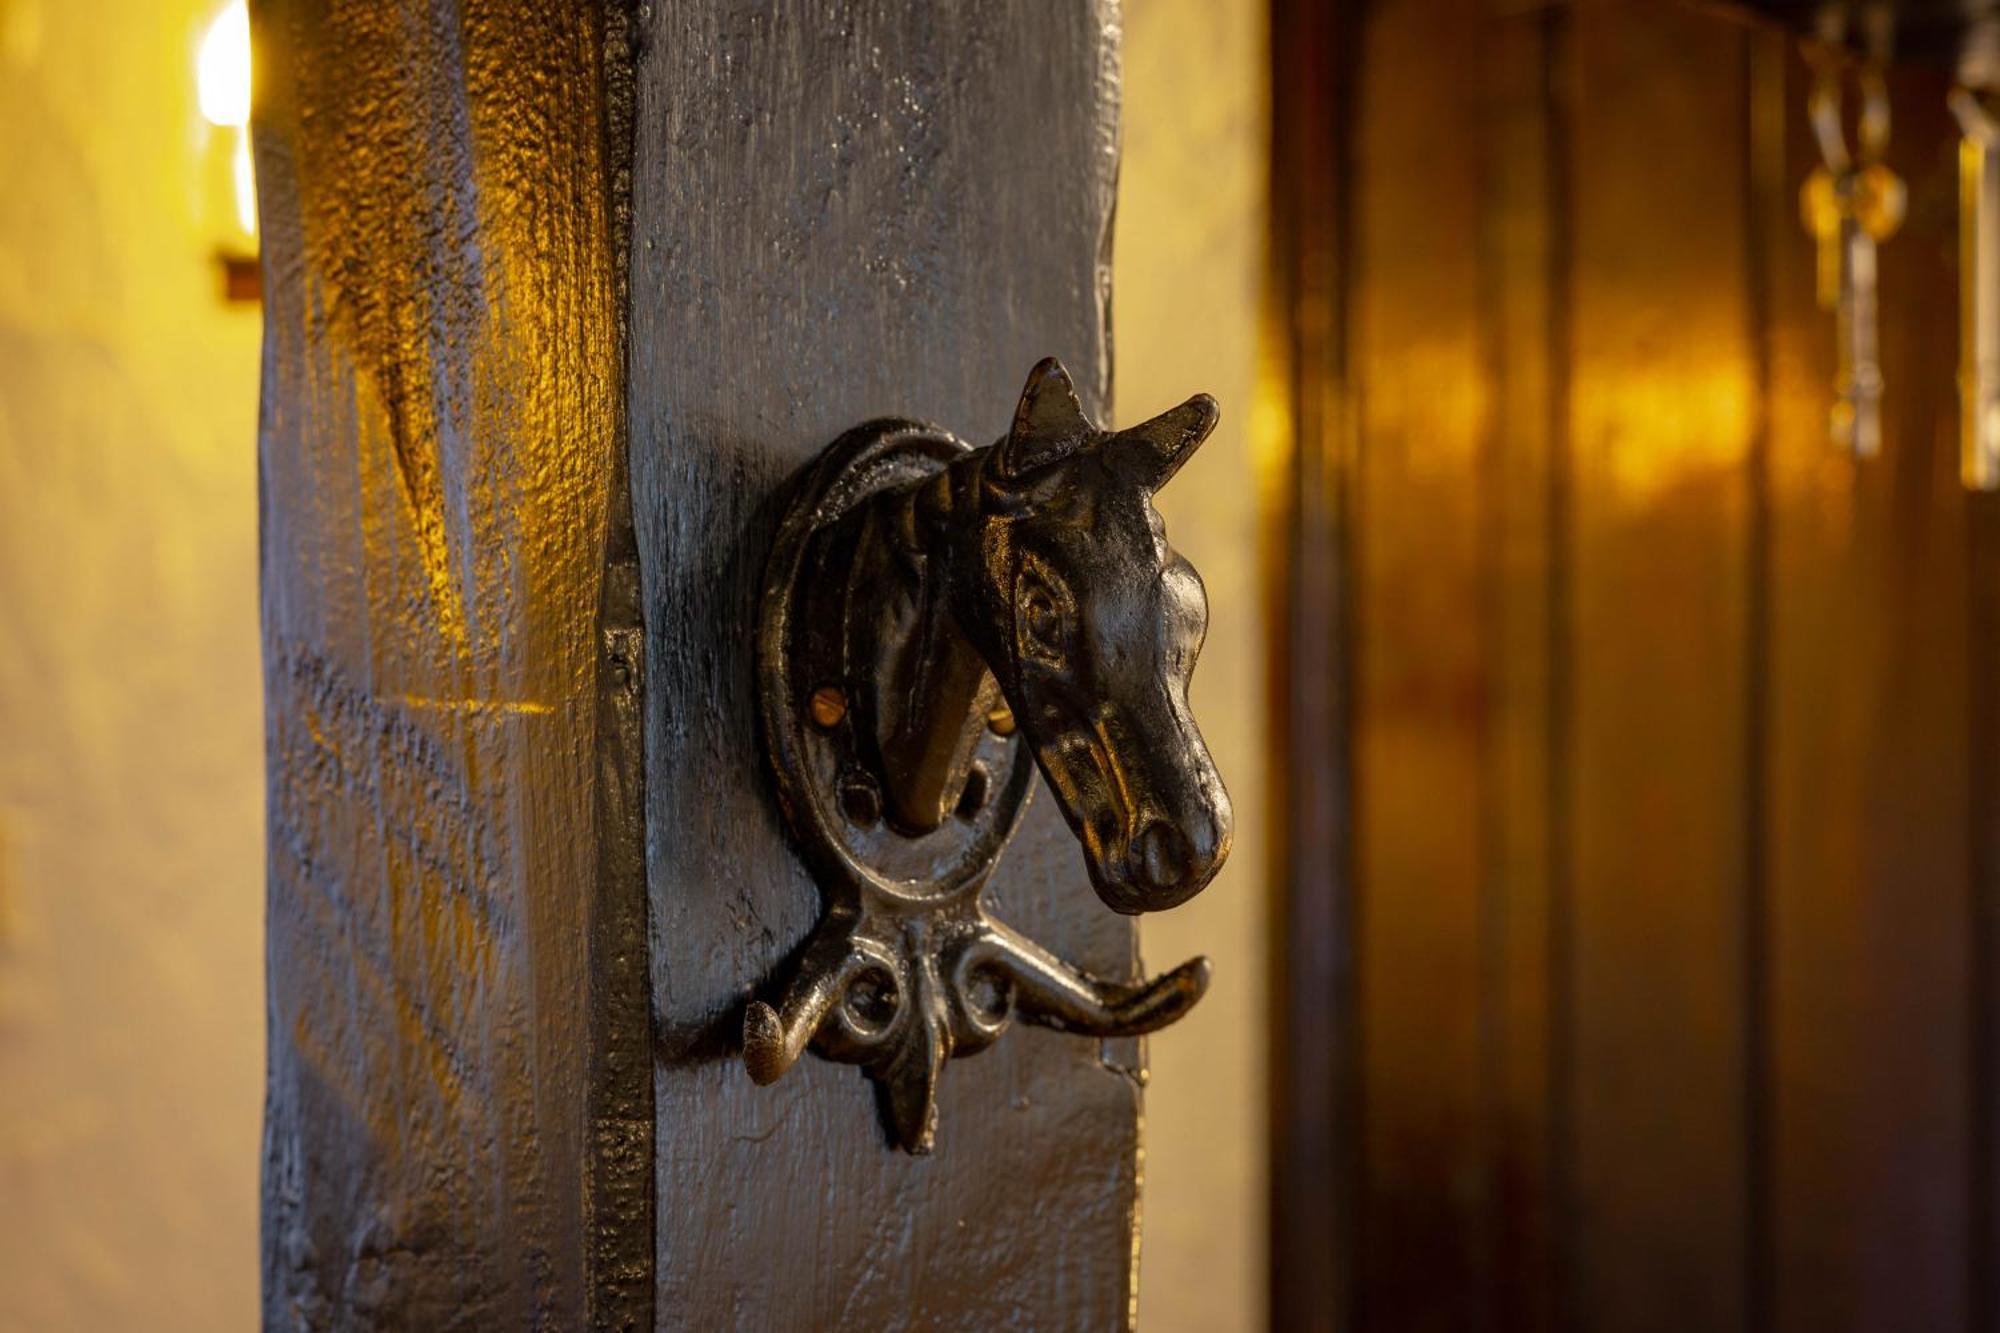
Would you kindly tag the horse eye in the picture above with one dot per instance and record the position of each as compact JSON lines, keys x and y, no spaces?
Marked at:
{"x":1041,"y":613}
{"x":1042,"y":623}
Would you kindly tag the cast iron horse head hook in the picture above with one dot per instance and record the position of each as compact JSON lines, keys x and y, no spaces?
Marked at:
{"x":923,"y":602}
{"x":1092,"y":624}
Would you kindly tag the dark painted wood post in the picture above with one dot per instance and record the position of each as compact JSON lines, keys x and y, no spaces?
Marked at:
{"x":514,"y":256}
{"x":842,"y":211}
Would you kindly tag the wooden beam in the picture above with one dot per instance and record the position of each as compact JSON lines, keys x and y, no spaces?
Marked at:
{"x":459,"y":1116}
{"x":842,"y":211}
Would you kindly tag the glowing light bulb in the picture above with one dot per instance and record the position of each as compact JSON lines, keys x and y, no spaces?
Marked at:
{"x":222,"y":88}
{"x":222,"y":69}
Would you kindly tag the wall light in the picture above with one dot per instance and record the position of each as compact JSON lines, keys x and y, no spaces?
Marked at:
{"x":222,"y":88}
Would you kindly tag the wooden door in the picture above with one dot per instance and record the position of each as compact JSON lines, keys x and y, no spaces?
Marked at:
{"x":1662,"y":735}
{"x":557,"y":296}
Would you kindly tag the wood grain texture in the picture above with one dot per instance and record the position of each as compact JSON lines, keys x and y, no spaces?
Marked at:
{"x":450,"y":1142}
{"x":843,"y":211}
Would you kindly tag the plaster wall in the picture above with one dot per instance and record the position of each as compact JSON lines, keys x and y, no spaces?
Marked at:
{"x":131,"y":734}
{"x":1186,"y":305}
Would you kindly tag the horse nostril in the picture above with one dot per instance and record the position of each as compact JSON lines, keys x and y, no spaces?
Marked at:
{"x":1163,"y":857}
{"x":1209,"y":837}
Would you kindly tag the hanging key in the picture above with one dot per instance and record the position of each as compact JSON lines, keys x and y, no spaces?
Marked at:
{"x":1979,"y":291}
{"x":1850,"y":203}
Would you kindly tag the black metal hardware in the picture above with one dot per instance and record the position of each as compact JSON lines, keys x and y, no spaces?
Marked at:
{"x":933,"y":616}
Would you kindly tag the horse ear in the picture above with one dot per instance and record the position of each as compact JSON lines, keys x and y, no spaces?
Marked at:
{"x":1048,"y":425}
{"x":1156,"y":449}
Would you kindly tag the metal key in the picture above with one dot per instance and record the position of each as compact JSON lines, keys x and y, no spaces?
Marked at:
{"x":1849,"y":206}
{"x":1979,"y":292}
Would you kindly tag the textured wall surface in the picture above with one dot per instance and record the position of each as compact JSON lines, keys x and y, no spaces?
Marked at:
{"x":439,"y":442}
{"x":131,"y":863}
{"x":843,"y":211}
{"x":1187,"y":275}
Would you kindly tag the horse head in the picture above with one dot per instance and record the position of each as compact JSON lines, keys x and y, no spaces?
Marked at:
{"x":1091,"y":624}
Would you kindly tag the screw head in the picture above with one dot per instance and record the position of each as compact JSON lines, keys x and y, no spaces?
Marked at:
{"x":828,"y":706}
{"x":1001,"y":719}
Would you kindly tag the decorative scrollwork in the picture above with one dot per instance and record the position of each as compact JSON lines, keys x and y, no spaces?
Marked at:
{"x":902,"y":1010}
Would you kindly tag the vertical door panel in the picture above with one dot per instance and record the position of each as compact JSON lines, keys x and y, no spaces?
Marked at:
{"x":1867,"y":776}
{"x":1523,"y":593}
{"x":1662,"y":400}
{"x":1422,"y":413}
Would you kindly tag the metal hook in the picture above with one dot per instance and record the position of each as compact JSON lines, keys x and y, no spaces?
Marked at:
{"x":926,"y":643}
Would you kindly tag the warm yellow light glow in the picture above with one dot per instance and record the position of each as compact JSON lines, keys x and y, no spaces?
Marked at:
{"x":1654,"y":428}
{"x":222,"y":69}
{"x":222,"y":87}
{"x":245,"y":183}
